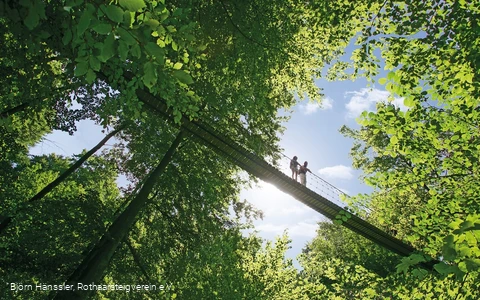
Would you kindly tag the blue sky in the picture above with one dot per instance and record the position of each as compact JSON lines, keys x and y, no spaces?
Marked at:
{"x":312,"y":134}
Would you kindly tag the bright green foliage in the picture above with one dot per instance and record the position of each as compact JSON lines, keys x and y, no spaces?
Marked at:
{"x":337,"y":242}
{"x":342,"y":216}
{"x":35,"y":88}
{"x":349,"y":267}
{"x":46,"y":240}
{"x":423,"y":162}
{"x":234,"y":65}
{"x":184,"y":236}
{"x":205,"y":60}
{"x":201,"y":57}
{"x":269,"y":274}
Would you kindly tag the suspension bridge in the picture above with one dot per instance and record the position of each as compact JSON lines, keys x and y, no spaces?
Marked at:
{"x":323,"y":197}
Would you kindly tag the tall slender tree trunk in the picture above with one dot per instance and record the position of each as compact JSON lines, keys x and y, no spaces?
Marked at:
{"x":13,"y":110}
{"x":74,"y":167}
{"x":92,"y":268}
{"x":5,"y":220}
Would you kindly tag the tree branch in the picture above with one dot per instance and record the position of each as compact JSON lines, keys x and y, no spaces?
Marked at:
{"x":11,"y":111}
{"x":136,"y":259}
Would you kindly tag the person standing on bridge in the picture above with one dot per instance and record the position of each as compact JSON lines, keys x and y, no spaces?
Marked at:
{"x":302,"y":172}
{"x":294,"y":167}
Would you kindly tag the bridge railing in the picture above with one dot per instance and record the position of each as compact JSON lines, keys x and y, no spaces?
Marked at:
{"x":314,"y":182}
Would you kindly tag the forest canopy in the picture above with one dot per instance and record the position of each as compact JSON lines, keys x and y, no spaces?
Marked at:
{"x":233,"y":65}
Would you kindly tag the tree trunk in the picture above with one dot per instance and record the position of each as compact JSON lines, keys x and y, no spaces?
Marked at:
{"x":74,"y":167}
{"x":5,"y":221}
{"x":13,"y":110}
{"x":136,"y":259}
{"x":92,"y":268}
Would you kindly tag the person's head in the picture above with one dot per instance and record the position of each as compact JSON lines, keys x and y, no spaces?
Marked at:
{"x":294,"y":158}
{"x":305,"y":164}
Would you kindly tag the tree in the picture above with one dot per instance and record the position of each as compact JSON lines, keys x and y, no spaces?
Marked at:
{"x":46,"y":239}
{"x":94,"y":264}
{"x":166,"y":50}
{"x":234,"y":66}
{"x":422,"y":161}
{"x":336,"y":242}
{"x":64,"y":175}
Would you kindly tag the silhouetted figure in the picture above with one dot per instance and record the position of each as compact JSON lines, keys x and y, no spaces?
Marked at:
{"x":294,"y":167}
{"x":302,"y":172}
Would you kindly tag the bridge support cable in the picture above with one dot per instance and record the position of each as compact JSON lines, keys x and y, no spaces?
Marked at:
{"x":259,"y":168}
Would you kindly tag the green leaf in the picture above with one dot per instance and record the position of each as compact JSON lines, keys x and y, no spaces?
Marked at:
{"x":382,"y":81}
{"x":177,"y":116}
{"x":108,"y":49}
{"x":149,"y":77}
{"x":419,"y":273}
{"x":160,"y":43}
{"x":463,"y":266}
{"x":114,"y":13}
{"x":164,"y":16}
{"x":178,"y":66}
{"x":84,"y":22}
{"x":132,"y":5}
{"x":81,"y":69}
{"x":136,"y":51}
{"x":91,"y":76}
{"x":103,"y":28}
{"x":391,"y":75}
{"x":152,"y":23}
{"x":409,"y":102}
{"x":472,"y":264}
{"x":155,"y":51}
{"x":443,"y":268}
{"x":126,"y":36}
{"x":394,"y":140}
{"x":94,"y":63}
{"x":470,"y":238}
{"x":128,"y":18}
{"x":464,"y":251}
{"x":449,"y":253}
{"x":122,"y":50}
{"x":455,"y":224}
{"x":67,"y":37}
{"x":44,"y":35}
{"x":32,"y":19}
{"x":183,"y":76}
{"x":466,"y":224}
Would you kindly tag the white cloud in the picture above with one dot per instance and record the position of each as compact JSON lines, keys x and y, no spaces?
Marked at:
{"x":313,"y":107}
{"x":270,"y":228}
{"x":303,"y":229}
{"x":365,"y":100}
{"x":327,"y":103}
{"x":339,"y":171}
